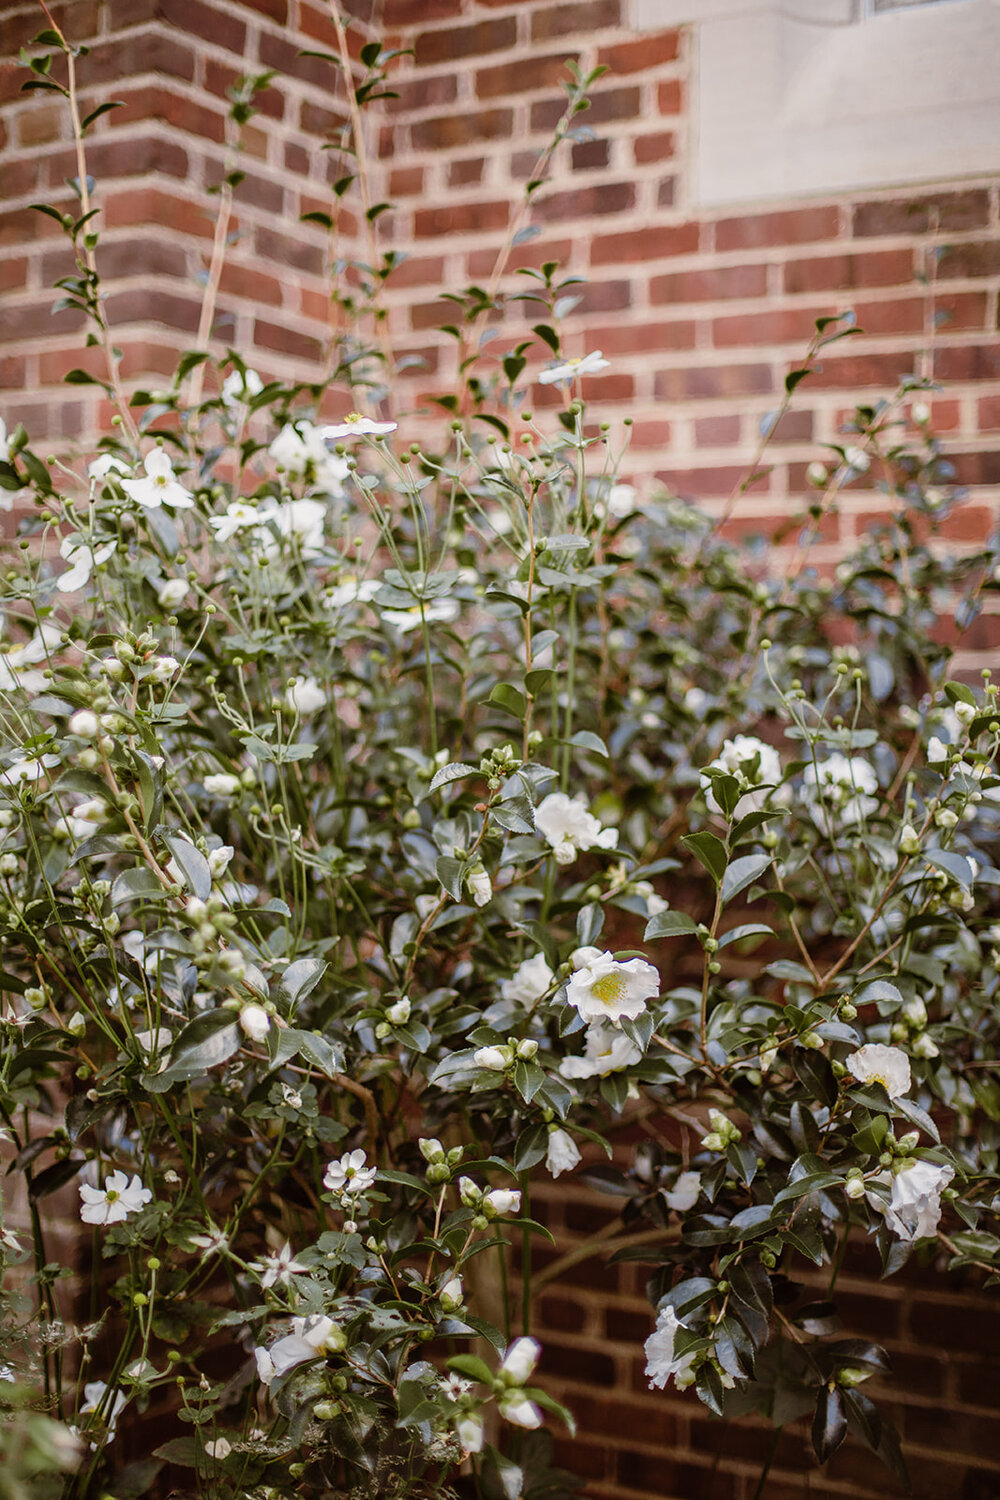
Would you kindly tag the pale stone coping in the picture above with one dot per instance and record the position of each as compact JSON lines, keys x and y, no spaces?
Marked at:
{"x":796,"y":98}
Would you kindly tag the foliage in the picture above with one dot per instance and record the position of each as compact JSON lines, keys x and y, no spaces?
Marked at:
{"x":386,"y":825}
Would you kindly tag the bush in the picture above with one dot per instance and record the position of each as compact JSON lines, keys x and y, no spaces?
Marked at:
{"x":388,"y":825}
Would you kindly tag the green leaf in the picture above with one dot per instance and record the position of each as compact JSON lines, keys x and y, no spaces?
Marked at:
{"x":711,"y":851}
{"x":743,"y":872}
{"x":745,"y":930}
{"x":508,"y":698}
{"x":102,"y":109}
{"x":708,"y":1384}
{"x":829,"y":1427}
{"x":472,"y":1366}
{"x":52,"y":1179}
{"x":528,"y":1079}
{"x":453,"y":772}
{"x":669,"y":924}
{"x":205,"y":1042}
{"x":185,"y":1451}
{"x":192,"y":864}
{"x":585,"y":740}
{"x":139,"y":884}
{"x":300,"y":979}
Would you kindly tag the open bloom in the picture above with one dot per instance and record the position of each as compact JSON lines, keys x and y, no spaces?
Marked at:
{"x":839,"y":791}
{"x":300,"y":522}
{"x":405,"y":620}
{"x":115,"y":1201}
{"x":281,"y":1267}
{"x":685,"y":1192}
{"x":349,"y":1174}
{"x":223,"y":784}
{"x":562,"y":1154}
{"x":888,"y":1066}
{"x":351,"y":590}
{"x":915,"y":1206}
{"x":661,"y":1361}
{"x":305,"y":696}
{"x":605,"y":990}
{"x":160,"y":486}
{"x":238,"y":515}
{"x":607,"y":1051}
{"x":529,"y":982}
{"x":569,"y":828}
{"x":240,"y":387}
{"x":309,"y":1339}
{"x":16,"y":664}
{"x":27,"y":768}
{"x":82,"y":562}
{"x":569,"y":369}
{"x":356,"y":425}
{"x":301,"y":451}
{"x":754,"y":764}
{"x":94,"y":1393}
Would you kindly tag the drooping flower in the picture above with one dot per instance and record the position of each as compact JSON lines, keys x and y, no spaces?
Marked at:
{"x":875,"y":1063}
{"x":607,"y":1051}
{"x":493,"y":1059}
{"x":304,"y":696}
{"x":479,"y":885}
{"x":240,"y":387}
{"x":469,"y":1428}
{"x":516,"y":1408}
{"x":115,"y":1201}
{"x":562,"y":1154}
{"x":82,"y":562}
{"x":661,"y":1361}
{"x":685,"y":1192}
{"x":529,"y":982}
{"x":519,"y":1361}
{"x":106,"y":464}
{"x":356,"y":425}
{"x":839,"y":791}
{"x":605,"y":990}
{"x":161,"y":486}
{"x":172,"y":592}
{"x":350,"y":1174}
{"x":569,"y":828}
{"x":500,"y":1201}
{"x":571,"y":369}
{"x":754,"y":764}
{"x":914,"y":1209}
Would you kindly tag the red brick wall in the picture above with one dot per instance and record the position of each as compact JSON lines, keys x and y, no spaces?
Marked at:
{"x":701,"y":316}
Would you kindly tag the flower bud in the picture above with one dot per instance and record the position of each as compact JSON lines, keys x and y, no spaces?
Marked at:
{"x":255,"y":1021}
{"x":908,"y":1142}
{"x":399,"y":1013}
{"x":496,"y":1059}
{"x":527,"y":1049}
{"x":430,"y":1149}
{"x":909,"y":843}
{"x":85,"y":724}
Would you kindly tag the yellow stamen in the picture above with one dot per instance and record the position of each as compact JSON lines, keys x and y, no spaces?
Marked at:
{"x":609,"y":989}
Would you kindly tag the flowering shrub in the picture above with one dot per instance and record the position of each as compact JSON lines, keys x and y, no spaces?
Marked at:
{"x":386,"y":825}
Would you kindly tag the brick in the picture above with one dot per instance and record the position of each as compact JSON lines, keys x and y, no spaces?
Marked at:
{"x":643,"y":338}
{"x":417,"y":270}
{"x":584,"y":16}
{"x":290,"y":250}
{"x":660,"y":1476}
{"x":316,"y":120}
{"x":562,"y":1315}
{"x":644,"y":245}
{"x":451,"y":43}
{"x":276,"y":52}
{"x":785,"y":325}
{"x":251,"y":284}
{"x":581,"y":203}
{"x":521,"y":77}
{"x":284,"y":340}
{"x":296,"y":158}
{"x":716,"y":285}
{"x":670,"y":97}
{"x":909,"y":216}
{"x":857,"y":371}
{"x":713,"y":381}
{"x":416,"y":12}
{"x":13,"y":273}
{"x":151,"y":50}
{"x":666,"y":193}
{"x":21,"y":177}
{"x":977,"y":258}
{"x":582,"y":1365}
{"x":406,"y":182}
{"x":987,"y":411}
{"x":590,"y":155}
{"x":606,"y":107}
{"x":35,"y":320}
{"x":143,"y":255}
{"x":787,"y":227}
{"x":637,"y":57}
{"x":195,"y":18}
{"x":114,"y":158}
{"x":156,"y":205}
{"x":451,"y":132}
{"x":716,"y":432}
{"x":460,"y":218}
{"x":967,"y":362}
{"x":844,"y":272}
{"x":425,"y":91}
{"x":173,"y":109}
{"x":468,"y":173}
{"x":660,"y":145}
{"x":42,"y":123}
{"x":146,"y":305}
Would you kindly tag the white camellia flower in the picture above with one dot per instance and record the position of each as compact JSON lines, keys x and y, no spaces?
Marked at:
{"x":502,"y":1201}
{"x":562,"y":1154}
{"x":529,"y":982}
{"x":915,"y":1206}
{"x":661,"y":1362}
{"x":310,"y":1338}
{"x":839,"y":792}
{"x":350,"y":1174}
{"x":517,"y":1409}
{"x":570,"y":369}
{"x":82,"y":562}
{"x":607,"y":1051}
{"x":356,"y":425}
{"x":16,"y":663}
{"x":452,"y":1294}
{"x":85,"y":723}
{"x":494,"y":1059}
{"x":81,"y":820}
{"x":304,"y":696}
{"x":255,"y":1021}
{"x":479,"y":885}
{"x":238,"y":515}
{"x":606,"y":990}
{"x":399,"y":1013}
{"x":222,"y":784}
{"x":241,"y":387}
{"x":685,"y":1192}
{"x":469,"y":1428}
{"x":94,"y":1393}
{"x":115,"y":1201}
{"x":889,"y":1066}
{"x":754,"y":764}
{"x":569,"y":829}
{"x":519,"y":1361}
{"x":160,"y":486}
{"x":405,"y":620}
{"x":218,"y":860}
{"x":27,"y":768}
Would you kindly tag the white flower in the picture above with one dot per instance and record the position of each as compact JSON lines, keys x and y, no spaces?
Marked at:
{"x":218,"y":1448}
{"x":562,"y":1154}
{"x":501,"y":1201}
{"x":529,"y":982}
{"x":563,"y":374}
{"x":281,"y":1267}
{"x":494,"y":1059}
{"x":925,"y":1046}
{"x":238,"y":514}
{"x":519,"y":1410}
{"x":115,"y":1201}
{"x":15,"y":663}
{"x":479,"y":885}
{"x":607,"y":1051}
{"x":93,"y":1398}
{"x":304,"y":696}
{"x":838,"y":791}
{"x":351,"y":590}
{"x":685,"y":1192}
{"x":875,"y":1063}
{"x":349,"y":1174}
{"x":310,"y":1337}
{"x":6,"y":1371}
{"x":27,"y":768}
{"x":399,"y":1014}
{"x":82,"y":562}
{"x":218,"y":862}
{"x":661,"y":1362}
{"x":915,"y":1206}
{"x":298,"y":521}
{"x":519,"y":1361}
{"x":622,"y":501}
{"x":606,"y":990}
{"x":173,"y":592}
{"x":405,"y":620}
{"x":222,"y":784}
{"x":255,"y":1021}
{"x":241,"y":387}
{"x":161,"y":486}
{"x":356,"y":425}
{"x":452,"y":1295}
{"x":754,"y":764}
{"x":163,"y":668}
{"x":81,"y":820}
{"x":85,"y":724}
{"x":569,"y":828}
{"x":105,"y":464}
{"x":470,"y":1431}
{"x":937,"y":750}
{"x":4,"y":445}
{"x":300,"y":450}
